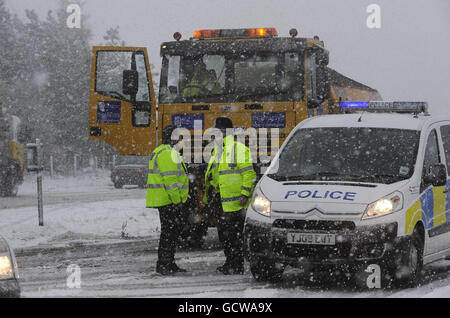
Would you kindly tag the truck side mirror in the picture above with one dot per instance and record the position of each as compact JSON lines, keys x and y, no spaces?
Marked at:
{"x":437,"y":175}
{"x":322,"y":58}
{"x":130,"y":82}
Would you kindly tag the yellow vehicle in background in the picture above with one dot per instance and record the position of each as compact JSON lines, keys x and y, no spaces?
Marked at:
{"x":11,"y":154}
{"x":256,"y":78}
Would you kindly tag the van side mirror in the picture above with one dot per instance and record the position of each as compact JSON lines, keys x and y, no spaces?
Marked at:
{"x":437,"y":175}
{"x":130,"y":82}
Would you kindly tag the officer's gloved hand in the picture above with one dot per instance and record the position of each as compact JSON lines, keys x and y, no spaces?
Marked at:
{"x":243,"y":201}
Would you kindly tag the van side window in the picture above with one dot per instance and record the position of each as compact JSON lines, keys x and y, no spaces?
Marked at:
{"x":431,"y":153}
{"x":445,"y":133}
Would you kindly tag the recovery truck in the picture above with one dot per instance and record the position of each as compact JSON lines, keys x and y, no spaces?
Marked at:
{"x":11,"y":154}
{"x":256,"y":78}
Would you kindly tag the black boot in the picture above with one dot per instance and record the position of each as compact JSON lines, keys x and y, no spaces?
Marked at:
{"x":174,"y":267}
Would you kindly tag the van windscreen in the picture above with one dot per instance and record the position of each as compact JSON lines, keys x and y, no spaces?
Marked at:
{"x":376,"y":155}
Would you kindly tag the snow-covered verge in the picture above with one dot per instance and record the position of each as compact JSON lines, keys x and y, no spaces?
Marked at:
{"x":67,"y":223}
{"x":82,"y":183}
{"x":70,"y":222}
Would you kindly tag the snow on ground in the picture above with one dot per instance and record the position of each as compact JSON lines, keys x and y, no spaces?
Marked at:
{"x":79,"y":222}
{"x":82,"y":183}
{"x":74,"y":221}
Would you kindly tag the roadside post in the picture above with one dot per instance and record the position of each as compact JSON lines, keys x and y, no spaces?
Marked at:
{"x":34,"y":163}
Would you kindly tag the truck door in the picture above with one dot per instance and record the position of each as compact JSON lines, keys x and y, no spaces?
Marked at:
{"x":122,"y":107}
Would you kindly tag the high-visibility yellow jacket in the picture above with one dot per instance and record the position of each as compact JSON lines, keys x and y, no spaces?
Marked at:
{"x":198,"y":85}
{"x":230,"y":172}
{"x":167,"y":180}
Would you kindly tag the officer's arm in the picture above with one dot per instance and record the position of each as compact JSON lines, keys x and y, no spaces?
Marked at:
{"x":244,"y":163}
{"x":169,"y":171}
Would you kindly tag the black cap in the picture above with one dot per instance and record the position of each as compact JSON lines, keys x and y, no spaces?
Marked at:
{"x":223,"y":123}
{"x":167,"y":133}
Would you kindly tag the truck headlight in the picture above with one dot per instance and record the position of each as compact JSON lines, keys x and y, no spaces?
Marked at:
{"x":388,"y":204}
{"x":261,"y":204}
{"x":6,"y":268}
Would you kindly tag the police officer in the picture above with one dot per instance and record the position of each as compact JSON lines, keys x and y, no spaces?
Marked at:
{"x":199,"y":81}
{"x":203,"y":81}
{"x":229,"y":182}
{"x":167,"y":190}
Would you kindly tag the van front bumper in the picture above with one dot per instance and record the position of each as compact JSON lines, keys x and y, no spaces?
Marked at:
{"x":354,"y":246}
{"x":9,"y":288}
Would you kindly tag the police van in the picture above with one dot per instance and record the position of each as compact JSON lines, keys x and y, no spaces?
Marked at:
{"x":367,"y":187}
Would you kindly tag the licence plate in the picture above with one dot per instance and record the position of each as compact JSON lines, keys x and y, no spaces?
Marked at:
{"x":311,"y":238}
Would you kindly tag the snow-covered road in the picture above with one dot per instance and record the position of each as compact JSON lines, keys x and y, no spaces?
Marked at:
{"x":112,"y":238}
{"x":126,"y":269}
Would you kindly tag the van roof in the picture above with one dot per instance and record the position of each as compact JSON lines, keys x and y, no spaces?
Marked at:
{"x":373,"y":120}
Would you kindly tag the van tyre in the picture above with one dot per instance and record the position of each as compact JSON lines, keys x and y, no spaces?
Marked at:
{"x":265,"y":271}
{"x":410,"y":263}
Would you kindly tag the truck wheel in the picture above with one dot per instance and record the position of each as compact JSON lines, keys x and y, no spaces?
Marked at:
{"x":118,"y":185}
{"x":265,"y":271}
{"x":410,"y":262}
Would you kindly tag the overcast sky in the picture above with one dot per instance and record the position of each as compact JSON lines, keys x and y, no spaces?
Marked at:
{"x":408,"y":58}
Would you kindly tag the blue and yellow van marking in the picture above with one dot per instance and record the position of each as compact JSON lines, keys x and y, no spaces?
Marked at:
{"x":433,"y":208}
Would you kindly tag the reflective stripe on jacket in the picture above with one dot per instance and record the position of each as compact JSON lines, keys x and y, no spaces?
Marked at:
{"x":233,"y":175}
{"x":167,"y":180}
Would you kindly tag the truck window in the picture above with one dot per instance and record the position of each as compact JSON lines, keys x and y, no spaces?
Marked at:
{"x":110,"y":67}
{"x":255,"y":74}
{"x":311,"y":73}
{"x":291,"y":79}
{"x":143,"y":93}
{"x":247,"y":76}
{"x":445,"y":133}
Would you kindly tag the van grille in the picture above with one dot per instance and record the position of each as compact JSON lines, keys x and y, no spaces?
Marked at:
{"x":326,"y":226}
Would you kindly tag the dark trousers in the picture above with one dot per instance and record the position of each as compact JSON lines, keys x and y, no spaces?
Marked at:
{"x":172,"y":221}
{"x":230,"y":227}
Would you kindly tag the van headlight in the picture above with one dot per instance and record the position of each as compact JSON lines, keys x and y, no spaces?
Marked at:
{"x":6,"y":267}
{"x":388,"y":204}
{"x":261,"y":204}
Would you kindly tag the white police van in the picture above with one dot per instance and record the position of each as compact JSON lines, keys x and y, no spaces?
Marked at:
{"x":355,"y":189}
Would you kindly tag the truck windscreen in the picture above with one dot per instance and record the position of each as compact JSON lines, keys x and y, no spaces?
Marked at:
{"x":376,"y":155}
{"x":231,"y":78}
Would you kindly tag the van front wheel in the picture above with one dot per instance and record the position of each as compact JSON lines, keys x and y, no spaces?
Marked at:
{"x":410,"y":262}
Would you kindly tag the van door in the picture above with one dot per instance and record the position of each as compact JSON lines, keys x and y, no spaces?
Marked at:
{"x":433,"y":198}
{"x":445,"y":137}
{"x":122,"y":107}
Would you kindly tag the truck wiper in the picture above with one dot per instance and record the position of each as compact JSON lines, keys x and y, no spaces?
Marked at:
{"x":112,"y":94}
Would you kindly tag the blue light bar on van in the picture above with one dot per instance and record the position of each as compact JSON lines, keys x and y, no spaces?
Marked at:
{"x":354,"y":104}
{"x":384,"y":107}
